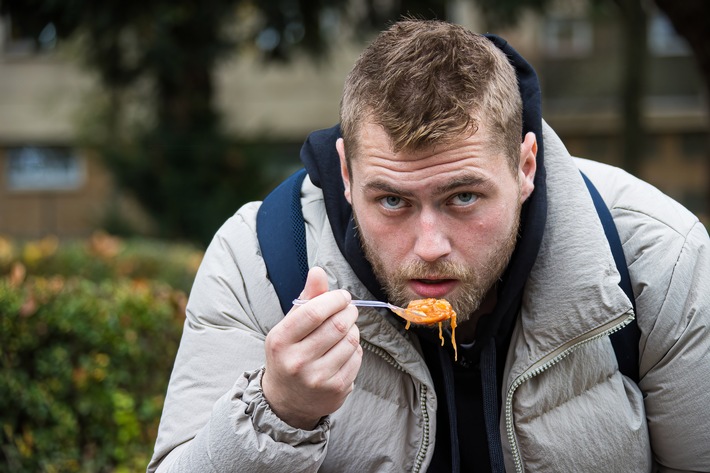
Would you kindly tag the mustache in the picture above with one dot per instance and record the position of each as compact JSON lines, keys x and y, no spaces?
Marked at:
{"x":440,"y":269}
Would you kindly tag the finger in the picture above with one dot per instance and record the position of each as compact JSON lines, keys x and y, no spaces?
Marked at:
{"x":342,"y":351}
{"x":334,"y":330}
{"x":301,"y":321}
{"x":316,"y":283}
{"x":344,"y":368}
{"x":351,"y":367}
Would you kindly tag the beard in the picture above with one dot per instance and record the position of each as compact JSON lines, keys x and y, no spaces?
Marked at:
{"x":475,"y":278}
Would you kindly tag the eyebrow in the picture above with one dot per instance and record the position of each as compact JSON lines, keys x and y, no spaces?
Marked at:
{"x":458,"y":182}
{"x":468,"y":180}
{"x":378,"y":185}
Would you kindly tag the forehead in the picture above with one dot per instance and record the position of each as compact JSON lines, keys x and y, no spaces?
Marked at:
{"x":470,"y":162}
{"x":374,"y":147}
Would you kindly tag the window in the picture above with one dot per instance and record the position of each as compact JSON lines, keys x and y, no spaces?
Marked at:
{"x":43,"y":168}
{"x":567,"y":37}
{"x":663,"y":39}
{"x":22,"y":38}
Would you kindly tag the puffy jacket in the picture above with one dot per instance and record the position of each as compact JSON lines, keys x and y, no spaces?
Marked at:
{"x":566,"y":407}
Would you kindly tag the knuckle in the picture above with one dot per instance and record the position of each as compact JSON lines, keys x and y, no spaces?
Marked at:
{"x":343,"y":385}
{"x":294,"y":366}
{"x":353,"y":336}
{"x":358,"y":354}
{"x":311,"y":315}
{"x":339,"y":325}
{"x":318,"y":383}
{"x":274,"y":343}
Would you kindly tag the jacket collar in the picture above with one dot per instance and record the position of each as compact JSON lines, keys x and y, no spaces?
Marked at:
{"x":572,"y":289}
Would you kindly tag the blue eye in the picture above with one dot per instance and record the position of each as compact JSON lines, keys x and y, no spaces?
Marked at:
{"x":464,"y":198}
{"x":392,"y":202}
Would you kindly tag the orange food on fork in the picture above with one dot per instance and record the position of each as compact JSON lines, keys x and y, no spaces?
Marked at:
{"x":436,"y":311}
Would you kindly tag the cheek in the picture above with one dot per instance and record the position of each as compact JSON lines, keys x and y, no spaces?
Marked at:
{"x":390,"y":242}
{"x":485,"y":233}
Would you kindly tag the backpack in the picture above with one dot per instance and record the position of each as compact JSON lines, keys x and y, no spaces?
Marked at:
{"x":282,"y":238}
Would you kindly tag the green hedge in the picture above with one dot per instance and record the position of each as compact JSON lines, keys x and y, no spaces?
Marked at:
{"x":85,"y":357}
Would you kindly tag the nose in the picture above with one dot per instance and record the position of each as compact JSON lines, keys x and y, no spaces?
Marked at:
{"x":432,"y":241}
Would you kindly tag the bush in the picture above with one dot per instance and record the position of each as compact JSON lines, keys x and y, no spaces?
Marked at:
{"x":85,"y":359}
{"x":104,"y":256}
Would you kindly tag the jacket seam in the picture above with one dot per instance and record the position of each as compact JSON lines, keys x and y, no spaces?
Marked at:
{"x":656,"y":219}
{"x":672,"y":277}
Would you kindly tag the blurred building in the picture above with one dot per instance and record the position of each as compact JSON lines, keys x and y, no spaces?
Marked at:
{"x":50,"y":184}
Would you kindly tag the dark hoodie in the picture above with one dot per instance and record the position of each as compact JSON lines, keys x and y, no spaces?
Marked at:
{"x":469,"y":390}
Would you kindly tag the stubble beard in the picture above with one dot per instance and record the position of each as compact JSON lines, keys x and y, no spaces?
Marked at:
{"x":475,"y":280}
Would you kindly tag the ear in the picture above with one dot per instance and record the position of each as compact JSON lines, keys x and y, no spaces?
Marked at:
{"x":527,"y":166}
{"x":344,"y":172}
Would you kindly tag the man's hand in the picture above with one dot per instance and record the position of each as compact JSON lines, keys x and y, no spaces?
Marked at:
{"x":312,"y":355}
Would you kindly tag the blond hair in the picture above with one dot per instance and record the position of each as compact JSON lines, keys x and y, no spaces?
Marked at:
{"x":430,"y":82}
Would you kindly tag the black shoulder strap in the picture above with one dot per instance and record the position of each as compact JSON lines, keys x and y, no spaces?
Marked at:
{"x":281,"y":231}
{"x":626,"y":340}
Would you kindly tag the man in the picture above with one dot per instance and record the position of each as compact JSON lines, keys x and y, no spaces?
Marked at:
{"x":434,"y":191}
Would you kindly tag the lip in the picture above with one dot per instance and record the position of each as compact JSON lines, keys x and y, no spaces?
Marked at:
{"x":429,"y":289}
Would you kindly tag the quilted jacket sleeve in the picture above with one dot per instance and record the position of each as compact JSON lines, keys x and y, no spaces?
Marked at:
{"x":215,"y":417}
{"x":675,"y":361}
{"x":668,"y":254}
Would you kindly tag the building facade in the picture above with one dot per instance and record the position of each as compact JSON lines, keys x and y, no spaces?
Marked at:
{"x":51,"y":184}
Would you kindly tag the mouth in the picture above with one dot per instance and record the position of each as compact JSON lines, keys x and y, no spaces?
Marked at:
{"x":435,"y":288}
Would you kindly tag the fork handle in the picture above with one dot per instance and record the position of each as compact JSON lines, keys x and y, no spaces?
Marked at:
{"x":356,"y":302}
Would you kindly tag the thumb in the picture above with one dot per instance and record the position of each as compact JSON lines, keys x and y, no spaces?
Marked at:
{"x":316,"y":283}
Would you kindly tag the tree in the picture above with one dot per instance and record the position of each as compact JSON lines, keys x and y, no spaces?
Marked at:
{"x":634,"y":19}
{"x":176,"y":159}
{"x":691,"y":19}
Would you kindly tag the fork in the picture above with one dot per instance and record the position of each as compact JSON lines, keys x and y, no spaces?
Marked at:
{"x":407,"y":314}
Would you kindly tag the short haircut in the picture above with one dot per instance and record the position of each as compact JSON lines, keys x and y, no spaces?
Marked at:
{"x":430,"y":82}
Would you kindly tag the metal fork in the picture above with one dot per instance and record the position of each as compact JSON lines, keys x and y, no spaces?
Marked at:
{"x":407,"y":314}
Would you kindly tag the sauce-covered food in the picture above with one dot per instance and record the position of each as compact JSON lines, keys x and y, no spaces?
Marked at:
{"x":436,"y":311}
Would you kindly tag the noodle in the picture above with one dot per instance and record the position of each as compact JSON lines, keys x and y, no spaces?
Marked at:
{"x":436,"y":311}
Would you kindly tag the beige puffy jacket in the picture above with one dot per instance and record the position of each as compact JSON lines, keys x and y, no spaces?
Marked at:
{"x":566,"y":407}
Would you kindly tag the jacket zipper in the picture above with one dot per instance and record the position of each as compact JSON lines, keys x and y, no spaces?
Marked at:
{"x":547,"y":362}
{"x":421,"y":454}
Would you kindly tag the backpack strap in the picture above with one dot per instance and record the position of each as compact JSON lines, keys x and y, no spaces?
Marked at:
{"x":281,"y":231}
{"x":626,"y":340}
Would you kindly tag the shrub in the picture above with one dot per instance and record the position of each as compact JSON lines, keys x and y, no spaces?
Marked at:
{"x":84,"y":363}
{"x":104,"y":256}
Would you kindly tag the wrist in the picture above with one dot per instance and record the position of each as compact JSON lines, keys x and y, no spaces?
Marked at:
{"x":282,"y":407}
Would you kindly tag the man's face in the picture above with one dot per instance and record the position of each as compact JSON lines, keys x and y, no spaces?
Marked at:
{"x":441,"y":222}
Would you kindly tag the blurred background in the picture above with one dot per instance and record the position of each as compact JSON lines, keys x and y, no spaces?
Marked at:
{"x":130,"y":130}
{"x":160,"y":118}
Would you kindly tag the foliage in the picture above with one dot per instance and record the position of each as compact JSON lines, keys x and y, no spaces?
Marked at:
{"x":85,"y":359}
{"x":104,"y":256}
